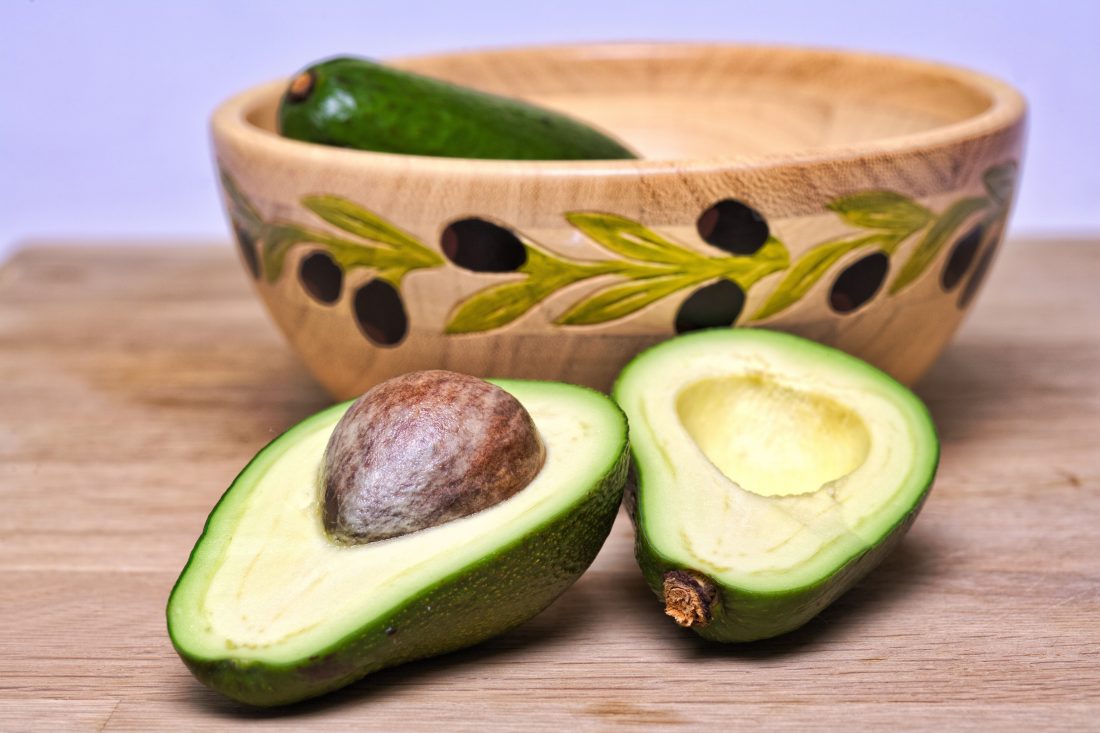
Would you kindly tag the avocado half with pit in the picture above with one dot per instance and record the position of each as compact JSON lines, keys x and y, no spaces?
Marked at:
{"x":270,"y":609}
{"x":773,"y":473}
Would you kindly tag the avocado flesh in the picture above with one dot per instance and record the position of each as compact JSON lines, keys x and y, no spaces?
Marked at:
{"x":778,"y":469}
{"x":269,"y":610}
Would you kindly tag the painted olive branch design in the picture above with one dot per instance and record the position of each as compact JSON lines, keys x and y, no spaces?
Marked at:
{"x":651,"y":268}
{"x":812,"y":266}
{"x":891,"y":220}
{"x":393,"y":253}
{"x":935,"y":237}
{"x":999,"y":182}
{"x":642,"y":267}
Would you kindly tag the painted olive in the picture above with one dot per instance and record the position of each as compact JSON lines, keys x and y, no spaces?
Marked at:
{"x":961,"y":257}
{"x":980,"y":271}
{"x":482,"y":246}
{"x":711,"y":306}
{"x":380,"y":313}
{"x":734,"y":227}
{"x":321,"y":277}
{"x":859,"y":282}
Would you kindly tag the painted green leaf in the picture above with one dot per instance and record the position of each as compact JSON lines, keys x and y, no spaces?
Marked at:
{"x":881,"y":210}
{"x":393,"y":276}
{"x":240,"y":206}
{"x":277,"y":241}
{"x":619,"y":301}
{"x":352,"y":255}
{"x":364,"y":223}
{"x":810,"y":268}
{"x":542,"y":266}
{"x":498,"y":305}
{"x":628,"y":238}
{"x":1000,"y":181}
{"x":746,"y":271}
{"x":935,"y":238}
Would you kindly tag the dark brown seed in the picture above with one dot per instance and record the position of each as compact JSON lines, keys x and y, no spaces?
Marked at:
{"x":859,"y":283}
{"x":733,"y":226}
{"x":321,"y":277}
{"x":711,"y":306}
{"x":482,"y":246}
{"x":380,"y":313}
{"x":247,"y":246}
{"x":423,"y":449}
{"x":978,"y":276}
{"x":961,"y":257}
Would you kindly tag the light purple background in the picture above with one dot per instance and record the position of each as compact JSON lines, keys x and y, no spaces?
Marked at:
{"x":105,"y":102}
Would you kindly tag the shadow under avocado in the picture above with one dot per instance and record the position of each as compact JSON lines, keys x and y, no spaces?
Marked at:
{"x":886,"y":586}
{"x":899,"y":576}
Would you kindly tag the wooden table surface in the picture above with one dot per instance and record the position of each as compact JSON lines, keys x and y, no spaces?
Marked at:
{"x":136,"y":381}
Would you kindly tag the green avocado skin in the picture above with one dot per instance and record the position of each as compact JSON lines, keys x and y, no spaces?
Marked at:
{"x":483,"y":600}
{"x":739,"y":615}
{"x":357,"y":103}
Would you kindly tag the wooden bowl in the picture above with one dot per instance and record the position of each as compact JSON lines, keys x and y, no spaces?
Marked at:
{"x":855,"y":199}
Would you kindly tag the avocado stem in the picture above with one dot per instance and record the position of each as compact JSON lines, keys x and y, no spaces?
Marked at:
{"x":301,"y":86}
{"x":689,"y":597}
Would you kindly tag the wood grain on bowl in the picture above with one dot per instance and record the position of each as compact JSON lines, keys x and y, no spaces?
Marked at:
{"x":834,"y":195}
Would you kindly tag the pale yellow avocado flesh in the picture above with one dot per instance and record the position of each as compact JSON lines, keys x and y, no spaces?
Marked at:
{"x":767,"y":467}
{"x":280,"y":589}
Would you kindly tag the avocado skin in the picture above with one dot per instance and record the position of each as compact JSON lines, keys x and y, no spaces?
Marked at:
{"x":740,"y":615}
{"x":483,"y":600}
{"x":357,"y":103}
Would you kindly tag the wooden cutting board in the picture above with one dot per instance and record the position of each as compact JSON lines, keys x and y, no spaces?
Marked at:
{"x":136,"y":381}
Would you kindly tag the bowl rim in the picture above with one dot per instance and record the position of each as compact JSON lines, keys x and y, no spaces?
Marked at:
{"x":1007,"y":107}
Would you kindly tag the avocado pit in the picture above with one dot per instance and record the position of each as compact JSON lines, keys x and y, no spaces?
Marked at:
{"x":423,"y":449}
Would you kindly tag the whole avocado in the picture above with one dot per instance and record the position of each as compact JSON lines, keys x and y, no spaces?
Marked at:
{"x":357,"y":103}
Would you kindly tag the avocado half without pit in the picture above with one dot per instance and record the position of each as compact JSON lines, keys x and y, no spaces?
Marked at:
{"x":436,"y":511}
{"x":773,"y":473}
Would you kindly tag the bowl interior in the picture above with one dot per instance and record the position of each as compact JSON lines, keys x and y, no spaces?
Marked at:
{"x":699,"y":101}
